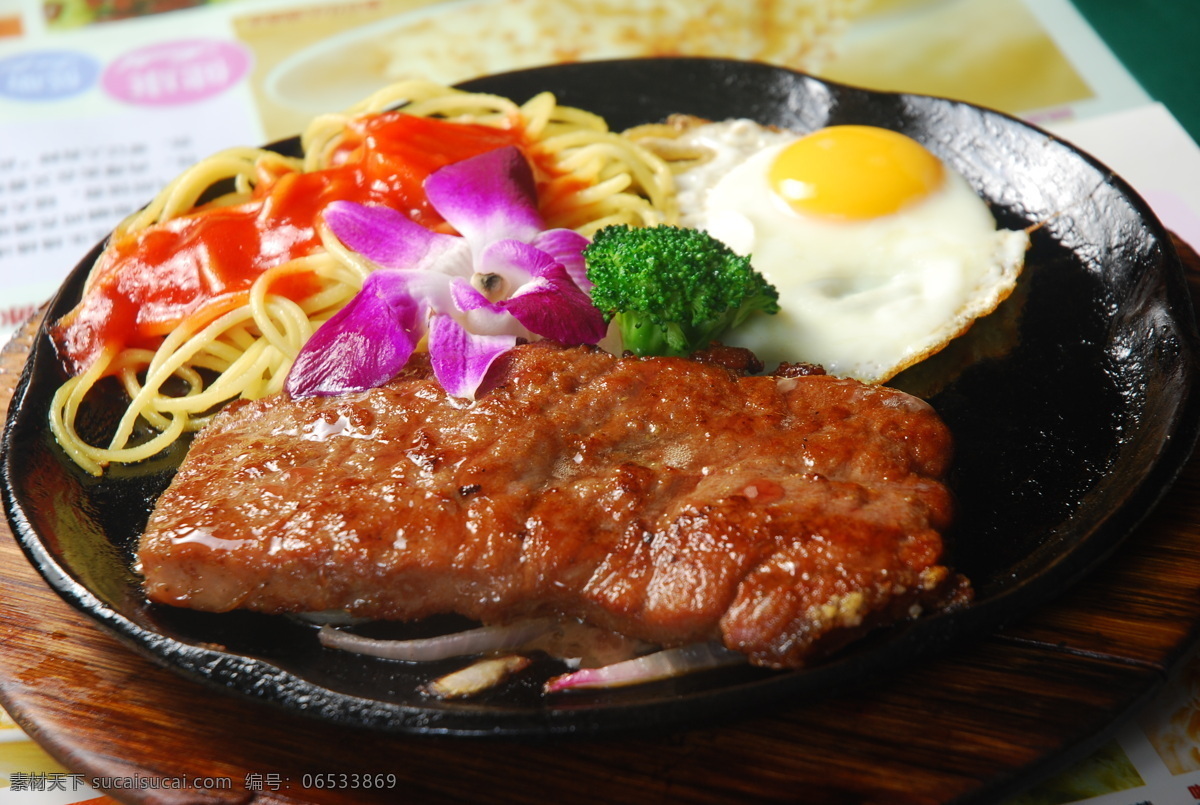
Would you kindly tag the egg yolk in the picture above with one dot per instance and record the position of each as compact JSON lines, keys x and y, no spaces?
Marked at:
{"x":854,"y":172}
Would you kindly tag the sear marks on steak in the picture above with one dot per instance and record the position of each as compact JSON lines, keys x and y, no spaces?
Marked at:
{"x":667,"y":499}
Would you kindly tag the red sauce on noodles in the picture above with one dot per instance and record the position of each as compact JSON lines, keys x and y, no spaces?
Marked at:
{"x":203,"y":263}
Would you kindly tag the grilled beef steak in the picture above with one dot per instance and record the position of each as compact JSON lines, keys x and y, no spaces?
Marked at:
{"x":668,"y":499}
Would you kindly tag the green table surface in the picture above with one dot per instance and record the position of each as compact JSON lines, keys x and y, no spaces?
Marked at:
{"x":1159,"y":42}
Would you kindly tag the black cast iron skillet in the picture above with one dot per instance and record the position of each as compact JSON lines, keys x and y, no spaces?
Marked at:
{"x":1072,"y":408}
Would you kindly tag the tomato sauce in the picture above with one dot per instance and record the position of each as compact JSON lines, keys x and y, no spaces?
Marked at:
{"x":202,"y":264}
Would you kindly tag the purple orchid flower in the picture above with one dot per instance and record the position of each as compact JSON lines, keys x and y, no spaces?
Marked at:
{"x":476,"y":296}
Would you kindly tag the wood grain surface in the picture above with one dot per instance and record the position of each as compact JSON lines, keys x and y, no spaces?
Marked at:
{"x":981,"y":721}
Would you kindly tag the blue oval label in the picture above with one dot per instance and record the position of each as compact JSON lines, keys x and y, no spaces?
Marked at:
{"x":47,"y":75}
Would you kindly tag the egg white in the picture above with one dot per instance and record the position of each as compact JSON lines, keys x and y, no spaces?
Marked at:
{"x":863,"y":299}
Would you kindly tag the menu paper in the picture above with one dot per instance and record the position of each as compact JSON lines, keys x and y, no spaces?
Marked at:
{"x":60,"y":196}
{"x":103,"y":102}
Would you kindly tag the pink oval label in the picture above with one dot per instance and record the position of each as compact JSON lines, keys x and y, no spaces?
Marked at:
{"x":176,"y":72}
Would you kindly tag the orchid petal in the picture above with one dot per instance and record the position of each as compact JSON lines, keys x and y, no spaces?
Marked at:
{"x":553,"y":306}
{"x":461,"y":359}
{"x":467,"y":297}
{"x":566,"y":246}
{"x":387,"y":237}
{"x":517,"y":262}
{"x":363,"y":345}
{"x":547,"y":302}
{"x":482,"y":316}
{"x":487,"y":197}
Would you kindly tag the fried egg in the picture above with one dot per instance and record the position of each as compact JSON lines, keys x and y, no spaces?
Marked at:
{"x":881,"y":253}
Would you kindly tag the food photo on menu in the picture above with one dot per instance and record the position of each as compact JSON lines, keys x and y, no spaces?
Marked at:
{"x":558,"y":371}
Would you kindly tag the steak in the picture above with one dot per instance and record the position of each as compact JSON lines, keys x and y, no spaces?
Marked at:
{"x":668,"y":499}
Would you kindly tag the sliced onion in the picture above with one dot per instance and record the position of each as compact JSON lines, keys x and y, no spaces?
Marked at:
{"x":458,"y":644}
{"x":477,"y":677}
{"x":663,"y":664}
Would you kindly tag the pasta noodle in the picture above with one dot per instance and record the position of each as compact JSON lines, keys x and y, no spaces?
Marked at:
{"x":241,"y":344}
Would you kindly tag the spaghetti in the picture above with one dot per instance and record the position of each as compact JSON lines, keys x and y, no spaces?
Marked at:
{"x":216,"y":284}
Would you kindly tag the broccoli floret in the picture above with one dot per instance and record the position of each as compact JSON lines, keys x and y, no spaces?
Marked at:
{"x":672,"y":290}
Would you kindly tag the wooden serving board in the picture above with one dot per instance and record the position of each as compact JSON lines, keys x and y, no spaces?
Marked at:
{"x":980,"y":721}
